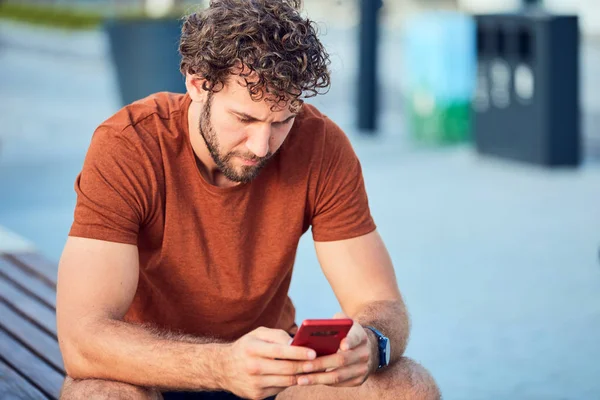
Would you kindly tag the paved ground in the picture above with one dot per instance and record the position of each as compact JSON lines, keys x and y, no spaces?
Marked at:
{"x":498,"y":261}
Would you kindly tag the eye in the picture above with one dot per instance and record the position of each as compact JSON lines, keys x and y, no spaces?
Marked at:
{"x":244,"y":120}
{"x":287,"y":121}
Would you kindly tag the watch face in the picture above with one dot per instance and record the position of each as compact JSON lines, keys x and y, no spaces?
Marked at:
{"x":388,"y":352}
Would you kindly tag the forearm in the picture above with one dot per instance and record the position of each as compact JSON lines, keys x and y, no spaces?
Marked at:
{"x":391,"y":319}
{"x":116,"y":350}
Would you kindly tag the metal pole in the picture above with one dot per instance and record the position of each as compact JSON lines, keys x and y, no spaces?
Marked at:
{"x":367,"y":64}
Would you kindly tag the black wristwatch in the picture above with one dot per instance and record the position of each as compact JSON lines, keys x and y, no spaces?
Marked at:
{"x":383,"y":343}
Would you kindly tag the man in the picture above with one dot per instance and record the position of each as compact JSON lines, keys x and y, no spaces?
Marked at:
{"x":174,"y":280}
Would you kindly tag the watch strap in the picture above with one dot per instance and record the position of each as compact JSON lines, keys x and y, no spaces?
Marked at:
{"x":380,"y":346}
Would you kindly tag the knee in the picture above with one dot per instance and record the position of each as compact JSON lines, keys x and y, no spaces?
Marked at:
{"x":423,"y":386}
{"x":406,"y":380}
{"x":97,"y":389}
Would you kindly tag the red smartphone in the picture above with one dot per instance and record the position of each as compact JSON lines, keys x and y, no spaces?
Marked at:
{"x":322,"y":335}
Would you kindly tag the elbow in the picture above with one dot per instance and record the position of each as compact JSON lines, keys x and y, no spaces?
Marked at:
{"x":74,"y":346}
{"x":405,"y":337}
{"x":76,"y":364}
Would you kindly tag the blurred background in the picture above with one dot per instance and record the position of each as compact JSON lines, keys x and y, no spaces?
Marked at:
{"x":477,"y":123}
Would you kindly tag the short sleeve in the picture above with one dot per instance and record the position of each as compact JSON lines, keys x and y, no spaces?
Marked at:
{"x":341,"y":207}
{"x":112,"y":189}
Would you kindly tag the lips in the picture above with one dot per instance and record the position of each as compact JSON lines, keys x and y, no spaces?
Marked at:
{"x":247,"y":161}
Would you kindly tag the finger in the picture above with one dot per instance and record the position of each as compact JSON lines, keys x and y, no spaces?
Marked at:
{"x":337,"y":360}
{"x":337,"y":377}
{"x":356,"y":336}
{"x":262,"y":390}
{"x":340,"y":315}
{"x":272,"y":335}
{"x":278,"y":381}
{"x":357,"y":381}
{"x":264,"y":366}
{"x":281,"y":351}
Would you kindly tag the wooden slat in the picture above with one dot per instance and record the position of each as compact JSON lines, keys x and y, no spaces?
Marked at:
{"x":36,"y":340}
{"x":27,"y":306}
{"x":27,"y":282}
{"x":14,"y":386}
{"x":40,"y":374}
{"x":37,"y":265}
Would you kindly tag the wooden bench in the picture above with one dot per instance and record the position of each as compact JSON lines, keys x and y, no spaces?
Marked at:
{"x":31,"y":365}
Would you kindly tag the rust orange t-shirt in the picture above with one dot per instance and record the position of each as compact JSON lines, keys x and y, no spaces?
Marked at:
{"x":215,"y":261}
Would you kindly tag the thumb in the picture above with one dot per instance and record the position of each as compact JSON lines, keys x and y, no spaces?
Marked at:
{"x":278,"y":336}
{"x":350,"y":341}
{"x":340,"y":315}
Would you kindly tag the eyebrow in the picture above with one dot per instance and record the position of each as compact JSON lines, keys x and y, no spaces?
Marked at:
{"x":251,"y":118}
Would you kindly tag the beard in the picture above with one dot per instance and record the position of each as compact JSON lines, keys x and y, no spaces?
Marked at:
{"x":240,"y":174}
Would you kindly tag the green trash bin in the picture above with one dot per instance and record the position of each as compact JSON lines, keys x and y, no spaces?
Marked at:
{"x":439,"y":57}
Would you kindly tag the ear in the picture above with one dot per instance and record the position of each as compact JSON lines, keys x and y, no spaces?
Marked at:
{"x":193,"y":84}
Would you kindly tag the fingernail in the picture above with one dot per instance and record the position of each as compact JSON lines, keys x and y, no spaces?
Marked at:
{"x":312,"y":355}
{"x":307,"y":368}
{"x":303,"y":381}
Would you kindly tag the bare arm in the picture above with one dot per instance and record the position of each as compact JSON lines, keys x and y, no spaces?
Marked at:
{"x":97,"y":281}
{"x":361,"y":274}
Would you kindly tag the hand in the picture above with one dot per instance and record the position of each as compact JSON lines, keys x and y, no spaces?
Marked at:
{"x":262,"y":363}
{"x":350,"y":366}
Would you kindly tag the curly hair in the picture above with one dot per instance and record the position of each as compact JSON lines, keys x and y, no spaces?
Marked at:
{"x":266,"y":42}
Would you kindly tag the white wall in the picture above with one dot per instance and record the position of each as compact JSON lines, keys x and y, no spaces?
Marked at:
{"x":488,"y":6}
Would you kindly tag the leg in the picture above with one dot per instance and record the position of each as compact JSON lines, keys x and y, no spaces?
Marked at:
{"x":405,"y":380}
{"x":97,"y":389}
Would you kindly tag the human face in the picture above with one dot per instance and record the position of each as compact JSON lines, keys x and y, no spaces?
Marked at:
{"x":241,"y":134}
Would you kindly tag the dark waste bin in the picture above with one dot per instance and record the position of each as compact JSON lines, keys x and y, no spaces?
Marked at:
{"x":526,"y":104}
{"x":145,"y":55}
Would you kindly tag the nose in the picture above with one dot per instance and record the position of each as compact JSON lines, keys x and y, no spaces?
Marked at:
{"x":258,"y":141}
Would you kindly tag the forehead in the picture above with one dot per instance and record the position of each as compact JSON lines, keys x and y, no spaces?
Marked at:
{"x":236,"y":90}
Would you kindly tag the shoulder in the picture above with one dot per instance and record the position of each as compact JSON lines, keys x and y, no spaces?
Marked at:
{"x":162,"y":105}
{"x":316,"y":132}
{"x":135,"y":135}
{"x":140,"y":125}
{"x":149,"y":116}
